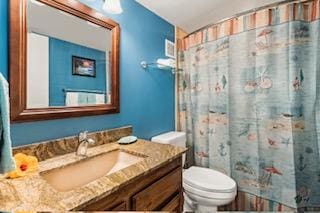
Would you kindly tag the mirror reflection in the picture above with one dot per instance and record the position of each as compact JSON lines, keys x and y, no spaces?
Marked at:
{"x":68,"y":59}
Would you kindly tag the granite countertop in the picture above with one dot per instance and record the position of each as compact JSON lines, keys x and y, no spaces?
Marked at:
{"x":33,"y":193}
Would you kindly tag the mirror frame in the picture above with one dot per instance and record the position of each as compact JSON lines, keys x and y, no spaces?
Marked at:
{"x":18,"y":63}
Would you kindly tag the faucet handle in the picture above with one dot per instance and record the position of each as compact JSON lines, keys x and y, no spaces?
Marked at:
{"x":83,"y":136}
{"x":91,"y":141}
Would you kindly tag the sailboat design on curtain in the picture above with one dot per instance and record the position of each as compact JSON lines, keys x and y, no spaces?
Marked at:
{"x":249,"y":100}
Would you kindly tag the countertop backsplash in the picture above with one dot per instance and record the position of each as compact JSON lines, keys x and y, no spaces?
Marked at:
{"x":49,"y":149}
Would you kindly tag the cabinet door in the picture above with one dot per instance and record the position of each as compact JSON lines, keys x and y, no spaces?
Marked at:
{"x":156,"y":195}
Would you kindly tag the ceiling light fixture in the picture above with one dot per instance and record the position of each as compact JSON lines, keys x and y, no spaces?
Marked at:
{"x":112,"y":6}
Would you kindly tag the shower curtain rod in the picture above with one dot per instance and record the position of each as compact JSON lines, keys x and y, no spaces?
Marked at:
{"x":248,"y":12}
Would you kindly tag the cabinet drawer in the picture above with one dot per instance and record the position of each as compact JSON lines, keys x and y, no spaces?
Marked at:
{"x":156,"y":194}
{"x":173,"y":205}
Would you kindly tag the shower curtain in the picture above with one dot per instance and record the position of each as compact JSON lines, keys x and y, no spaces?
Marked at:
{"x":249,"y":101}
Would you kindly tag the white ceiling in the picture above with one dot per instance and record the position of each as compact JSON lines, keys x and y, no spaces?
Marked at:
{"x":191,"y":15}
{"x":46,"y":20}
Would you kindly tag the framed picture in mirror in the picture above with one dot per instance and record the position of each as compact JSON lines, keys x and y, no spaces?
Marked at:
{"x":83,"y":66}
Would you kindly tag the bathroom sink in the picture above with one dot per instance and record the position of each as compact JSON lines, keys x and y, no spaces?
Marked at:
{"x":87,"y":170}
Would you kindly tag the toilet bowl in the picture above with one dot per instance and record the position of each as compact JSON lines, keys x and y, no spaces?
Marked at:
{"x":204,"y":189}
{"x":207,"y":189}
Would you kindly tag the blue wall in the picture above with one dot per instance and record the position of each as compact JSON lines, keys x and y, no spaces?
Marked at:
{"x":147,"y":97}
{"x":3,"y":38}
{"x":60,"y":71}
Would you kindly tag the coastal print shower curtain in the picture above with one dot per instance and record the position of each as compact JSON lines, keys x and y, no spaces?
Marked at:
{"x":249,"y":101}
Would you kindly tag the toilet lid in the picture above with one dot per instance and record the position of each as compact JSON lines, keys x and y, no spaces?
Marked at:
{"x":208,"y":180}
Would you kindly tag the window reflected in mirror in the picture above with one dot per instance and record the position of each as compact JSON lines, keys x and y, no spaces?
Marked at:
{"x":68,"y":59}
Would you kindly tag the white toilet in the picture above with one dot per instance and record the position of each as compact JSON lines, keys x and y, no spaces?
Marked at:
{"x":204,"y":189}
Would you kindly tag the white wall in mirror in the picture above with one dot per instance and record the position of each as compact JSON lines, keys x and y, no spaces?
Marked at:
{"x":38,"y":71}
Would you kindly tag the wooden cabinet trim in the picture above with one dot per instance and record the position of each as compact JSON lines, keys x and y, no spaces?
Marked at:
{"x":101,"y":205}
{"x":173,"y":205}
{"x":120,"y":207}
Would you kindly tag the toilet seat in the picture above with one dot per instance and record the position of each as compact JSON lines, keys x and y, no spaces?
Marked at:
{"x":209,"y":195}
{"x":208,"y":182}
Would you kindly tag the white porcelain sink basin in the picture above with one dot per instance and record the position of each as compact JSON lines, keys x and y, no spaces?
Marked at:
{"x":83,"y":172}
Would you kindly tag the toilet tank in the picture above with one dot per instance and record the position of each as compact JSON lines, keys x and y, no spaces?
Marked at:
{"x":172,"y":138}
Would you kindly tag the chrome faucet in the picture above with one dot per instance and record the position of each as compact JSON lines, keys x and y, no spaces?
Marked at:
{"x":84,"y":141}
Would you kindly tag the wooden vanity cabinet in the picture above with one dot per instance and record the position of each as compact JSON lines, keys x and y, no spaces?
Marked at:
{"x":159,"y":190}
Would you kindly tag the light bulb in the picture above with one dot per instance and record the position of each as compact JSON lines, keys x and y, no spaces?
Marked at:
{"x":112,"y":6}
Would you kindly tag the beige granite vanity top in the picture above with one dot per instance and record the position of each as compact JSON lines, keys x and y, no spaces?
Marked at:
{"x":33,"y":193}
